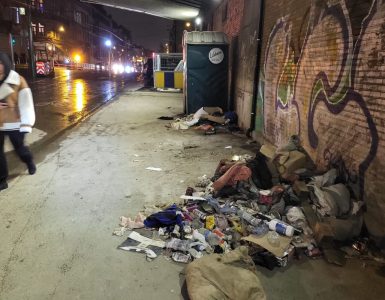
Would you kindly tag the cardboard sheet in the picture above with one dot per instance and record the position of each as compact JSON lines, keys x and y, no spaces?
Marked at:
{"x":278,"y":251}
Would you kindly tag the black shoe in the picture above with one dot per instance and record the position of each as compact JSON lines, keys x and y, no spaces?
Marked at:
{"x":3,"y":185}
{"x":31,"y":168}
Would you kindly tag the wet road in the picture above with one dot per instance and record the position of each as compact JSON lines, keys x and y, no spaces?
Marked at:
{"x":71,"y":94}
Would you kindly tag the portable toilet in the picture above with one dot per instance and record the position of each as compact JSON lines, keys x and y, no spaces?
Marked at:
{"x":206,"y":70}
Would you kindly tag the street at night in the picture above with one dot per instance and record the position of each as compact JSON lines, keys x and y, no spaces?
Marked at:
{"x":72,"y":94}
{"x":192,"y":149}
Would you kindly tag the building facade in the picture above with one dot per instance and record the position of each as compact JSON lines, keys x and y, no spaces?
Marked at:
{"x":61,"y":31}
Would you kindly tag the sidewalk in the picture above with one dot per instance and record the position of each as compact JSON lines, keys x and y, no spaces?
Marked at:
{"x":56,"y":226}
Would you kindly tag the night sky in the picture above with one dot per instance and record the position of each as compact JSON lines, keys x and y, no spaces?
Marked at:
{"x":146,"y":30}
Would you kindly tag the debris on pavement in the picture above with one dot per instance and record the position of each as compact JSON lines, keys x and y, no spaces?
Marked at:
{"x":154,"y":169}
{"x":209,"y":120}
{"x":227,"y":276}
{"x":167,"y":118}
{"x":269,"y":210}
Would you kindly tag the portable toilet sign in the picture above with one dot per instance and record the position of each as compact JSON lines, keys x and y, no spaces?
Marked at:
{"x":216,"y":56}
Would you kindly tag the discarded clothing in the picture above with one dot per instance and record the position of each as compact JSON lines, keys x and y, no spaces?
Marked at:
{"x":238,"y":172}
{"x":260,"y":173}
{"x":231,"y":116}
{"x":226,"y":209}
{"x":165,"y":218}
{"x":332,"y":201}
{"x":132,"y":224}
{"x":138,"y":243}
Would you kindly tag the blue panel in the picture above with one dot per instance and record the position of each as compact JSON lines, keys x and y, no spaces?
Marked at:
{"x":169,"y":79}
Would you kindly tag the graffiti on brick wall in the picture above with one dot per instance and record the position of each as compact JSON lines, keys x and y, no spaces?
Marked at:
{"x":321,"y":94}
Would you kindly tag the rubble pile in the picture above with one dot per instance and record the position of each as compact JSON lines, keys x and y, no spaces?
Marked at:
{"x":273,"y":204}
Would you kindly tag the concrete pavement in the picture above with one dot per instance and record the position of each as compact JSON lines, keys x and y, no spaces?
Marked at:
{"x":56,"y":226}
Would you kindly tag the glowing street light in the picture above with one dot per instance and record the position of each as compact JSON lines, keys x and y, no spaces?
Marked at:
{"x":77,"y":58}
{"x":198,"y":21}
{"x":61,"y":28}
{"x":108,"y":43}
{"x":188,"y":24}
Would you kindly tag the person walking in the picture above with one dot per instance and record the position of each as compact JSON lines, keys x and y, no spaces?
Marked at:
{"x":17,"y":116}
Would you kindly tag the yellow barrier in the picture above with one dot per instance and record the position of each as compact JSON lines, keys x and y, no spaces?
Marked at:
{"x":168,"y":79}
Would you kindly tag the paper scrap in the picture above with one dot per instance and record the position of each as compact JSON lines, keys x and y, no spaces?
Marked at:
{"x":146,"y":241}
{"x":192,"y":198}
{"x":154,"y":169}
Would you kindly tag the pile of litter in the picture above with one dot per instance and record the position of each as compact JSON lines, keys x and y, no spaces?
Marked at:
{"x":274,"y":205}
{"x":207,"y":119}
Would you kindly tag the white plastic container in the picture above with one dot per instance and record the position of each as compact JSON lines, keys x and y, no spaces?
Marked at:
{"x":281,"y":227}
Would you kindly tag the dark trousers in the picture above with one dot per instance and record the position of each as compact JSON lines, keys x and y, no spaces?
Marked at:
{"x":17,"y":140}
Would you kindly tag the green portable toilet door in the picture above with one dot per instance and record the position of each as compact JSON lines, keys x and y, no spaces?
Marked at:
{"x":207,"y":76}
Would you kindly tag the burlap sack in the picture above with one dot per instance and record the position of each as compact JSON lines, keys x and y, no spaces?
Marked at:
{"x":227,"y":276}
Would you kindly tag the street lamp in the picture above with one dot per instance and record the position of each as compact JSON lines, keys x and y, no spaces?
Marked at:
{"x":198,"y":22}
{"x":188,"y":24}
{"x":108,"y":43}
{"x":61,"y":28}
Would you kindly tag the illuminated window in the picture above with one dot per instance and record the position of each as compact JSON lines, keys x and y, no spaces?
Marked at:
{"x":41,"y":5}
{"x":41,"y":29}
{"x":78,"y":17}
{"x":33,"y":28}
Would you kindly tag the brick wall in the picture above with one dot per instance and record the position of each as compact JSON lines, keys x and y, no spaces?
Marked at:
{"x":228,"y":17}
{"x":237,"y":19}
{"x":323,"y":77}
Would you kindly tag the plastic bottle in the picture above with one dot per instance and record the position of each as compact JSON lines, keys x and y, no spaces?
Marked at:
{"x":281,"y":227}
{"x":180,"y":257}
{"x":199,"y":214}
{"x":249,"y":218}
{"x":198,"y":236}
{"x":259,"y":230}
{"x":212,"y":239}
{"x":273,"y":238}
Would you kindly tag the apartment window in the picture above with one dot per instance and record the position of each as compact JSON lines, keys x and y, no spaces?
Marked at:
{"x":41,"y":29}
{"x":33,"y":28}
{"x":41,"y":5}
{"x":78,"y":17}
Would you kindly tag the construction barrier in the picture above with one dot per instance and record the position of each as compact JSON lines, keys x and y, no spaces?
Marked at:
{"x":168,"y":70}
{"x":168,"y":79}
